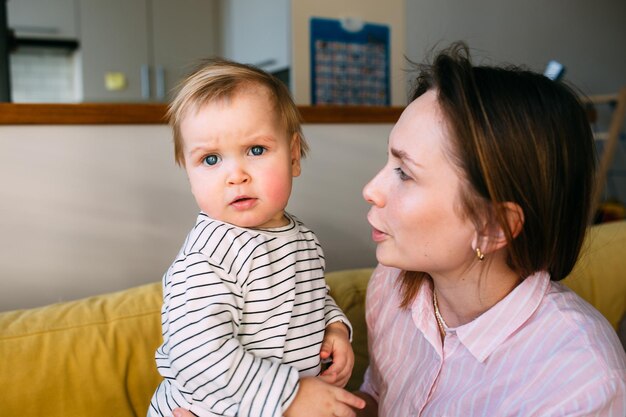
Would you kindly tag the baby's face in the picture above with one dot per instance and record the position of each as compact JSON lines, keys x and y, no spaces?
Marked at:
{"x":239,"y":160}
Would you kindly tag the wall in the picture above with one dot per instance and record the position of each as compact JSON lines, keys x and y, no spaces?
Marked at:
{"x":92,"y":209}
{"x":389,"y":12}
{"x":585,"y":36}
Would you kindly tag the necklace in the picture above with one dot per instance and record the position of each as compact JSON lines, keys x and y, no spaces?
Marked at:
{"x":440,"y":321}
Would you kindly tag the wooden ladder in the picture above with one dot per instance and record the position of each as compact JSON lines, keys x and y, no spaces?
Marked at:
{"x":611,"y":138}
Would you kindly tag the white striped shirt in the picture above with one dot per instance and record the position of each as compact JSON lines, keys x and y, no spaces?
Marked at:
{"x":541,"y":351}
{"x":244,"y":313}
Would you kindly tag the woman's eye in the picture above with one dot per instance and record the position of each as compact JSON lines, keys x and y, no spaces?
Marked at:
{"x":257,"y":150}
{"x":211,"y":160}
{"x":401,"y":174}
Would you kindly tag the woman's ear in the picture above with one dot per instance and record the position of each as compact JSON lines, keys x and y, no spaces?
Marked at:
{"x":493,"y":236}
{"x":514,"y":217}
{"x":295,"y":155}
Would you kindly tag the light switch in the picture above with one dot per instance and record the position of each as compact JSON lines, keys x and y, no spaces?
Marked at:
{"x":115,"y":81}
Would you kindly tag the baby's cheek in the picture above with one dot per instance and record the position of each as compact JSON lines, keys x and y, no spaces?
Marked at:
{"x":278,"y":188}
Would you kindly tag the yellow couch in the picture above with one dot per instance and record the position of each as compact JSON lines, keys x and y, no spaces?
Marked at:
{"x":94,"y":357}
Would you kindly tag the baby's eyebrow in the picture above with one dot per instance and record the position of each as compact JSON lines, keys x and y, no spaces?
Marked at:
{"x":198,"y":149}
{"x":263,"y":139}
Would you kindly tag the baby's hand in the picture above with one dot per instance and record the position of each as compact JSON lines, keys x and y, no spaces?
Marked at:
{"x":336,"y":345}
{"x":316,"y":398}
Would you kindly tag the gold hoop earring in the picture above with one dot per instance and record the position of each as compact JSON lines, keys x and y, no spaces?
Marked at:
{"x":480,"y":255}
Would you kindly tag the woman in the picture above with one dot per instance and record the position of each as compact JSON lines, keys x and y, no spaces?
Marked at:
{"x":486,"y":195}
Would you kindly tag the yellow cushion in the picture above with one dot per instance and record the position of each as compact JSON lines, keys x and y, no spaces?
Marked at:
{"x":600,"y":274}
{"x":92,"y":357}
{"x":348,"y":289}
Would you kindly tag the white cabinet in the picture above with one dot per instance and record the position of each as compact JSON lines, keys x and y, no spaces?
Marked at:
{"x":257,"y":32}
{"x":137,"y":50}
{"x":49,"y":19}
{"x":184,"y":31}
{"x":113,"y":40}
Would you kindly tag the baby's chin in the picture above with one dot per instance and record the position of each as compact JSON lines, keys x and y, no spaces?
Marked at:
{"x":278,"y":221}
{"x":259,"y":223}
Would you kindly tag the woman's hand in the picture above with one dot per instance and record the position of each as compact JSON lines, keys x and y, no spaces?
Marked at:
{"x":371,"y":405}
{"x":315,"y":398}
{"x":181,"y":412}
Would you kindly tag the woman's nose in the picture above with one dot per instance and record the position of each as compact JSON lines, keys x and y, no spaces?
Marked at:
{"x":372,"y":192}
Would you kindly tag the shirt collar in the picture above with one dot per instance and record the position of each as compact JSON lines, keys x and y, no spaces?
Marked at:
{"x":423,"y":315}
{"x":483,"y":335}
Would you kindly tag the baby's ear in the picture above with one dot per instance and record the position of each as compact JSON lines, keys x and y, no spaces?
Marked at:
{"x":295,"y":155}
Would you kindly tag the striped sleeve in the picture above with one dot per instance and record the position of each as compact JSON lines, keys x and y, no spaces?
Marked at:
{"x":207,"y":361}
{"x":332,"y":313}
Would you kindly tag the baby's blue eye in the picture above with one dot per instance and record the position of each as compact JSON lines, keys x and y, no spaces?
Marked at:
{"x":211,"y":159}
{"x":257,"y":150}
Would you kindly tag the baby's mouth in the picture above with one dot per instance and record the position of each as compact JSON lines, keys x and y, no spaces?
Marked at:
{"x":240,"y":199}
{"x":243,"y":202}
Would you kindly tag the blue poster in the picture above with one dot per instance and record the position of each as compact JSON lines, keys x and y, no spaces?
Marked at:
{"x":349,"y":65}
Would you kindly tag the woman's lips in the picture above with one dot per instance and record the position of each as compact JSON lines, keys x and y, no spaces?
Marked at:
{"x":378,"y":235}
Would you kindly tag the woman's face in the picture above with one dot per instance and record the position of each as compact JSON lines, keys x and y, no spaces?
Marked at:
{"x":416,"y":215}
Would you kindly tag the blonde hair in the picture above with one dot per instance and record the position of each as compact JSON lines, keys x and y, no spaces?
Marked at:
{"x":218,"y":79}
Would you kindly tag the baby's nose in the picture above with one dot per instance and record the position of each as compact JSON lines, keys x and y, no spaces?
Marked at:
{"x":238,"y":175}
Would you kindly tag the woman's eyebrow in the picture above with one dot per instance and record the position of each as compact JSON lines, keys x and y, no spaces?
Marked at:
{"x":403,"y":156}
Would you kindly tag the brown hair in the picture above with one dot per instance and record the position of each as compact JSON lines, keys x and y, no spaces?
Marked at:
{"x":216,"y":79}
{"x":516,"y":136}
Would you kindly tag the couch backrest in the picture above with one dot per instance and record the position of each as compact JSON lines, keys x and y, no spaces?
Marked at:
{"x":92,"y":357}
{"x":600,"y":273}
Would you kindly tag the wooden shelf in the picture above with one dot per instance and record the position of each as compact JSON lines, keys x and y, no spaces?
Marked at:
{"x":111,"y":113}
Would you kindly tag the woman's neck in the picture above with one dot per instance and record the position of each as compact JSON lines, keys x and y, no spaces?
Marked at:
{"x":462,"y":299}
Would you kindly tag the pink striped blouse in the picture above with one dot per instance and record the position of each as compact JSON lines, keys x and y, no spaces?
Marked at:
{"x":541,"y":351}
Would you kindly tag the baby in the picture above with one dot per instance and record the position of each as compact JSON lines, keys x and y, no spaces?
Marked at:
{"x":247,"y":318}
